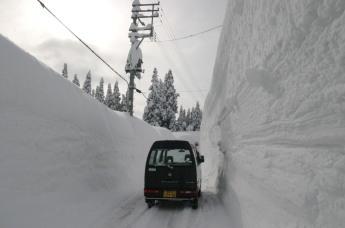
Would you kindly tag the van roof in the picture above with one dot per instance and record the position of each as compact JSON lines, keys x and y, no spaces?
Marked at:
{"x":183,"y":144}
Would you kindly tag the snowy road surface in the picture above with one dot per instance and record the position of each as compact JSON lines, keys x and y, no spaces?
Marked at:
{"x":133,"y":212}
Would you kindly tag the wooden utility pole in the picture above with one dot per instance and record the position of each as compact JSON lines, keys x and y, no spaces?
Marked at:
{"x":140,"y":12}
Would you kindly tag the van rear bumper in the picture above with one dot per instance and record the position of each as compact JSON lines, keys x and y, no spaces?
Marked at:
{"x":177,"y":194}
{"x":170,"y":199}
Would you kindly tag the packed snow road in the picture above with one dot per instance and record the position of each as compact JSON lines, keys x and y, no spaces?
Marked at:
{"x":133,"y":212}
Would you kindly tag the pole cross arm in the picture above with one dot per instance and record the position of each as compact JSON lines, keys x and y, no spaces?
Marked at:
{"x":146,"y":4}
{"x":138,"y":11}
{"x":140,"y":35}
{"x":144,"y":16}
{"x":140,"y":29}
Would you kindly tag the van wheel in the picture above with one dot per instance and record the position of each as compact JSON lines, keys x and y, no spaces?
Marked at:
{"x":195,"y":204}
{"x":150,"y":203}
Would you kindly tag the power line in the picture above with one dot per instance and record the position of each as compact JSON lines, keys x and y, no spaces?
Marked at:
{"x":144,"y":95}
{"x":192,"y":91}
{"x":170,"y":28}
{"x":88,"y":47}
{"x":85,"y":44}
{"x":166,"y":25}
{"x":191,"y":35}
{"x":186,"y":91}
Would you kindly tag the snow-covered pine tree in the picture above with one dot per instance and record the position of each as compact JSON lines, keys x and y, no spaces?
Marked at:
{"x":184,"y":120}
{"x":116,"y":98}
{"x":124,"y":100}
{"x":100,"y":91}
{"x":189,"y":121}
{"x":127,"y":99}
{"x":76,"y":80}
{"x":123,"y":106}
{"x":96,"y":92}
{"x":169,"y":106}
{"x":153,"y":113}
{"x":87,"y":83}
{"x":198,"y":117}
{"x":192,"y":120}
{"x":109,"y":97}
{"x":179,"y":122}
{"x":65,"y":71}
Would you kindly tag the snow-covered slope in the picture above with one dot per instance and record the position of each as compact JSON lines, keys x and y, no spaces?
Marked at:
{"x":275,"y":115}
{"x":65,"y":159}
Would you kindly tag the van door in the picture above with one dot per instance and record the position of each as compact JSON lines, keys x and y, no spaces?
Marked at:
{"x":171,"y":169}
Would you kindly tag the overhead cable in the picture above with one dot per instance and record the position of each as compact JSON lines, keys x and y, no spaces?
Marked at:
{"x":85,"y":44}
{"x":88,"y":47}
{"x":191,"y":35}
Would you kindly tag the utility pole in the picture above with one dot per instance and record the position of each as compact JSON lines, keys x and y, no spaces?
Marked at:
{"x":140,"y":12}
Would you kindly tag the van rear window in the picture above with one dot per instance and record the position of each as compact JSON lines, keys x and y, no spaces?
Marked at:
{"x":163,"y":157}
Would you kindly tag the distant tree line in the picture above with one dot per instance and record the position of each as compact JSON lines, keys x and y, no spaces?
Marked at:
{"x":161,"y":106}
{"x":112,"y":98}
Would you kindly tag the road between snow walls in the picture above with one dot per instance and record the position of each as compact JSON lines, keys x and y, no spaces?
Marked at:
{"x":273,"y":133}
{"x":68,"y":161}
{"x":275,"y":114}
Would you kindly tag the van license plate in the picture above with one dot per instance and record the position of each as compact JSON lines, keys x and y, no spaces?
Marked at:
{"x":169,"y":194}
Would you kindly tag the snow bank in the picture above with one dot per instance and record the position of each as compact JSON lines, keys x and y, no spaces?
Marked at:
{"x":275,"y":115}
{"x":191,"y":136}
{"x":65,"y":159}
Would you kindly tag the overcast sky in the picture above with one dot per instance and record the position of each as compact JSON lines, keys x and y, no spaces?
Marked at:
{"x":104,"y":25}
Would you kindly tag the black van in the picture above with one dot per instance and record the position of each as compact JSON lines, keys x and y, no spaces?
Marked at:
{"x":173,"y":173}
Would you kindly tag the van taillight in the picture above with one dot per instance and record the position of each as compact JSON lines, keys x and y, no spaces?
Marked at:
{"x":146,"y":190}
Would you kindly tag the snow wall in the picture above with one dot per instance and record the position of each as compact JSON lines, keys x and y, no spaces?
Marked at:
{"x":65,"y":158}
{"x":275,"y":114}
{"x":191,"y":136}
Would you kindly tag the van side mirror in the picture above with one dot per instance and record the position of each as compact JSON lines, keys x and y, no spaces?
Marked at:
{"x":201,"y":159}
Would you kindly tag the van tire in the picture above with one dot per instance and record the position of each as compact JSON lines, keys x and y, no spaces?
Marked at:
{"x":195,"y":204}
{"x":150,"y":203}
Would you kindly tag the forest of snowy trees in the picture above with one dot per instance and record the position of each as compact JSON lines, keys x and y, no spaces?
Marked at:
{"x":161,"y":107}
{"x":112,"y":97}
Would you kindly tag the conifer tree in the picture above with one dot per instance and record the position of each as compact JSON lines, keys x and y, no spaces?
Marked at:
{"x":96,"y":92}
{"x":153,"y":110}
{"x":184,"y":120}
{"x":109,"y":97}
{"x":192,"y":120}
{"x":65,"y":71}
{"x":189,"y":121}
{"x":179,"y":122}
{"x":197,"y":117}
{"x":87,"y":83}
{"x":123,"y":106}
{"x":124,"y":101}
{"x":169,"y":106}
{"x":116,"y":98}
{"x":100,"y":91}
{"x":76,"y":80}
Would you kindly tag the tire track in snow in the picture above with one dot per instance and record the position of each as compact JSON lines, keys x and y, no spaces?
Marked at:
{"x":119,"y":211}
{"x":135,"y":214}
